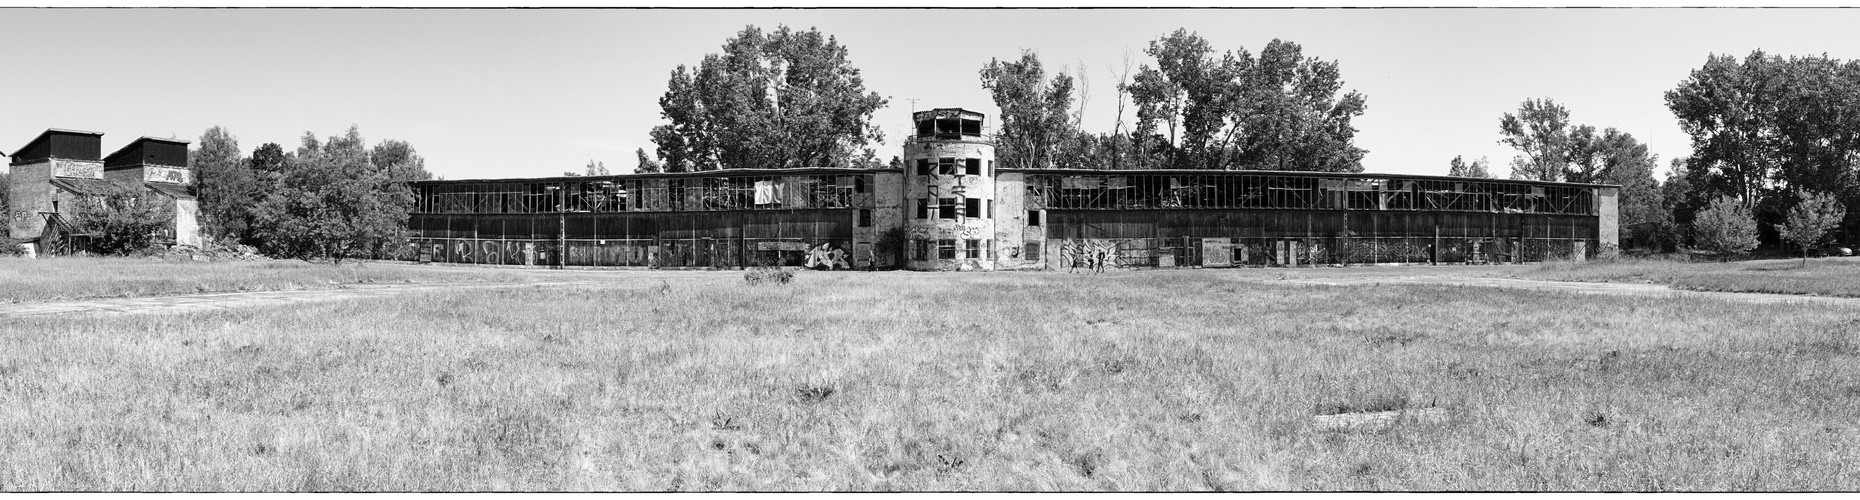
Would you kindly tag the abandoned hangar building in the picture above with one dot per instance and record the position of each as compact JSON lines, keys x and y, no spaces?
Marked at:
{"x":55,"y":172}
{"x":957,"y":211}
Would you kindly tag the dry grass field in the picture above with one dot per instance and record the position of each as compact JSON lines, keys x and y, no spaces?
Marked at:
{"x":43,"y":280}
{"x":1839,"y":277}
{"x":1167,"y":380}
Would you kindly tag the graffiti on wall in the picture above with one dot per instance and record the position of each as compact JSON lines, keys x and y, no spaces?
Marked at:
{"x":827,"y":256}
{"x":1090,"y":255}
{"x":959,"y":232}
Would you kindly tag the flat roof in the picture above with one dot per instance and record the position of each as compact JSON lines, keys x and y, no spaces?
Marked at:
{"x":48,"y":132}
{"x":728,"y":172}
{"x":1296,"y":173}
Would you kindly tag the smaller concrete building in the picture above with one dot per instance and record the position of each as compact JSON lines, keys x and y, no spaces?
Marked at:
{"x":61,"y":169}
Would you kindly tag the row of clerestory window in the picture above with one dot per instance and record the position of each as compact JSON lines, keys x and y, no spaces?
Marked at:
{"x":953,"y":166}
{"x":951,"y":208}
{"x":945,"y":249}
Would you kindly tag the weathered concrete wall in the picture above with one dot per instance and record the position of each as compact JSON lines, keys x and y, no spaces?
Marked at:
{"x":1608,"y":207}
{"x":186,"y":223}
{"x":150,"y":173}
{"x":962,"y":186}
{"x":30,"y":194}
{"x":887,"y":210}
{"x":1011,"y":231}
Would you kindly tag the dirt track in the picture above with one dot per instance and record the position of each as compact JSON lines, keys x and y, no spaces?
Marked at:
{"x":1627,"y":289}
{"x":1495,"y":277}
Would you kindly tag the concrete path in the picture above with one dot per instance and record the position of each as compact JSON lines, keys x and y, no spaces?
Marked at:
{"x":220,"y":301}
{"x":1626,"y":289}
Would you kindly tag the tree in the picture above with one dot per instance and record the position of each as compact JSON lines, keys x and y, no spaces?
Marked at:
{"x":399,"y":161}
{"x":785,"y":99}
{"x":598,"y":168}
{"x":1811,"y":218}
{"x":647,"y":165}
{"x":1476,"y":169}
{"x":1726,"y":227}
{"x":126,"y":218}
{"x":227,"y":186}
{"x":1540,"y":132}
{"x":1034,"y":111}
{"x":1280,"y":111}
{"x":1615,"y":157}
{"x":330,"y":201}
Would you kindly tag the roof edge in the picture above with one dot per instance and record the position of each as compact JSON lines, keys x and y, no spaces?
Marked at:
{"x":1294,"y":173}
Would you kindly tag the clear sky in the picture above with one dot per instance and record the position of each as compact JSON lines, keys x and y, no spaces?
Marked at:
{"x":517,"y":93}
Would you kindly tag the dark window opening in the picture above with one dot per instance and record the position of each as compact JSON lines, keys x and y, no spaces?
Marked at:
{"x":948,"y":128}
{"x":920,"y":249}
{"x":859,"y":184}
{"x":1032,"y":252}
{"x":923,"y":208}
{"x":990,"y":212}
{"x":973,"y":207}
{"x":946,"y":208}
{"x":926,"y":128}
{"x":972,"y":166}
{"x":971,"y":127}
{"x":946,"y":249}
{"x":923,"y":166}
{"x":946,"y":166}
{"x":974,"y":250}
{"x":1033,"y":217}
{"x":865,"y":218}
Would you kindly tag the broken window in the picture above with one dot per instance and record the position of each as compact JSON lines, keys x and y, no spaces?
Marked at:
{"x":974,"y":249}
{"x":946,"y":208}
{"x":946,"y":166}
{"x":923,"y":166}
{"x":1033,"y":217}
{"x":973,"y":207}
{"x":920,"y":249}
{"x":946,"y":249}
{"x":923,"y":208}
{"x":971,"y":127}
{"x":972,"y":166}
{"x":865,"y":218}
{"x":859,"y":184}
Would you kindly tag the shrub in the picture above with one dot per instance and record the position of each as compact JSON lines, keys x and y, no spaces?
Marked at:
{"x":1726,"y":227}
{"x":125,"y":219}
{"x":762,"y":275}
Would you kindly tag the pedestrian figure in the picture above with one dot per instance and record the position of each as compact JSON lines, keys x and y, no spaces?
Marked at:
{"x":1099,"y":259}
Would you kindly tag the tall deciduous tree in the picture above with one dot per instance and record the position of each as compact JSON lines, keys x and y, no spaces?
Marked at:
{"x":1810,"y":219}
{"x":1476,"y":169}
{"x":597,"y":168}
{"x":1541,"y":134}
{"x":330,"y":201}
{"x":783,"y":99}
{"x":1034,"y":111}
{"x":1280,"y":111}
{"x":399,"y":161}
{"x":227,"y":186}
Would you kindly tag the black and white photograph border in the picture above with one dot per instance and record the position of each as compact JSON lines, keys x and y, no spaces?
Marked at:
{"x":865,"y":247}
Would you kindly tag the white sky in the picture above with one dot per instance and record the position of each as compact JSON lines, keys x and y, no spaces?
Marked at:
{"x":534,"y":92}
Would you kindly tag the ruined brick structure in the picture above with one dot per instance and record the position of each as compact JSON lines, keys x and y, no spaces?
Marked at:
{"x":961,"y":213}
{"x":61,"y":169}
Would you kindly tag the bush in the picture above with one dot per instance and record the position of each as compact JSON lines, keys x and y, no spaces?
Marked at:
{"x":762,"y":275}
{"x":125,"y":220}
{"x":1726,"y":227}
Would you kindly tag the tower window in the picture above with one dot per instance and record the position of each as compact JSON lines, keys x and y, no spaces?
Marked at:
{"x":865,"y":217}
{"x":923,"y":208}
{"x":972,"y":166}
{"x":946,"y":166}
{"x":974,"y":250}
{"x":946,"y":249}
{"x":1033,"y":217}
{"x":923,"y":166}
{"x":946,"y":208}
